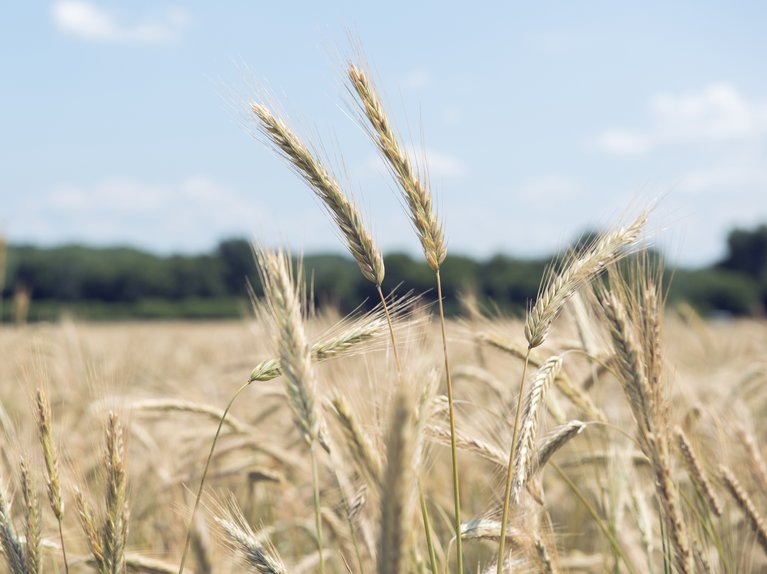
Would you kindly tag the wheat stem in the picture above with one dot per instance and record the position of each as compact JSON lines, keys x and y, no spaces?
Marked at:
{"x":198,"y":496}
{"x":391,"y":330}
{"x":45,"y":434}
{"x":427,"y":530}
{"x":317,"y":508}
{"x":451,"y":415}
{"x":510,"y":470}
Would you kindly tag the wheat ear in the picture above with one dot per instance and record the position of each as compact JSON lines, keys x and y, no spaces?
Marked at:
{"x":32,"y":526}
{"x":324,"y":185}
{"x":327,"y":348}
{"x":12,"y":547}
{"x":415,"y":192}
{"x":695,"y":470}
{"x":523,"y":457}
{"x":641,"y":384}
{"x":253,"y":547}
{"x":553,"y":441}
{"x":573,"y":392}
{"x":548,"y":563}
{"x":53,"y":480}
{"x":358,"y":440}
{"x":581,"y":267}
{"x":88,"y":524}
{"x":429,"y":230}
{"x":755,"y":460}
{"x":284,"y":301}
{"x":488,"y":529}
{"x":115,"y":530}
{"x":755,"y":520}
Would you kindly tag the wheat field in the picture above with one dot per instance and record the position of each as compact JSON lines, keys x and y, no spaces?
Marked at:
{"x":169,"y":382}
{"x":598,"y":432}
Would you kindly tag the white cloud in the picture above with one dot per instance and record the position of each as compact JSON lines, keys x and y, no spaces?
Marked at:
{"x":88,"y":21}
{"x":188,"y":214}
{"x":717,"y":113}
{"x":623,"y":142}
{"x":728,"y":177}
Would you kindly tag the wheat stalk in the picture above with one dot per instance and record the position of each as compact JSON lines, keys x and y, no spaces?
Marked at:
{"x":548,"y":564}
{"x":332,"y":347}
{"x":695,"y":469}
{"x":580,"y":268}
{"x":418,"y":199}
{"x":12,"y":547}
{"x":357,"y":440}
{"x":473,"y":444}
{"x":323,"y":184}
{"x":523,"y":458}
{"x":553,"y":441}
{"x":185,"y":406}
{"x":32,"y":526}
{"x":115,"y":529}
{"x":416,"y":194}
{"x":573,"y":392}
{"x":284,"y":301}
{"x":88,"y":524}
{"x":747,"y":506}
{"x":489,"y":529}
{"x":634,"y":340}
{"x":53,"y":480}
{"x":254,"y":548}
{"x":755,"y":460}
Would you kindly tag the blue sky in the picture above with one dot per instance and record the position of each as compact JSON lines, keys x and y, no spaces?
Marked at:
{"x":126,"y":123}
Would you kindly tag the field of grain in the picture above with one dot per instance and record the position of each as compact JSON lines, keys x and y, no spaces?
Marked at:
{"x":600,"y":511}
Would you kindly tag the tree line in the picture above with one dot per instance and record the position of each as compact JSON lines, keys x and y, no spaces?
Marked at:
{"x":125,"y":282}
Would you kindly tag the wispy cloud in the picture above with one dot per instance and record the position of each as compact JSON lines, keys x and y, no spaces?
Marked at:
{"x":729,"y":178}
{"x":91,"y":22}
{"x":190,"y":213}
{"x":715,"y":114}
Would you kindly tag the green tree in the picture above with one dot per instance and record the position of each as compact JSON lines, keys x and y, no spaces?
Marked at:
{"x":747,"y":252}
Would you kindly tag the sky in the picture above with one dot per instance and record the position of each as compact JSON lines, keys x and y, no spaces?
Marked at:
{"x":127,"y":122}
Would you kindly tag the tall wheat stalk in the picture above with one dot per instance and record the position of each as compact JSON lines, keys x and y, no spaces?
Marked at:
{"x":341,"y":208}
{"x":254,"y":547}
{"x":557,"y":287}
{"x":107,"y":542}
{"x":634,"y":315}
{"x":32,"y":528}
{"x":53,"y":480}
{"x":283,"y":299}
{"x":418,"y":199}
{"x":11,"y":545}
{"x":203,"y":478}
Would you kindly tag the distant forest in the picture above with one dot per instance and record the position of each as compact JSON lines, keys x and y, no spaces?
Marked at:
{"x":116,"y":283}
